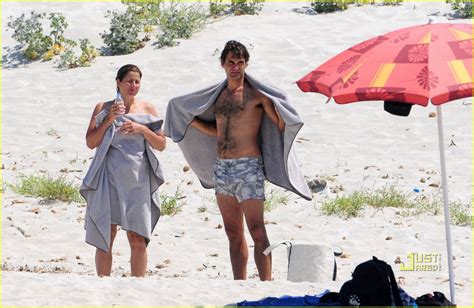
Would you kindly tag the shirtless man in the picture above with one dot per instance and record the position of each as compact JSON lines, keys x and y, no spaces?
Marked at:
{"x":238,"y":172}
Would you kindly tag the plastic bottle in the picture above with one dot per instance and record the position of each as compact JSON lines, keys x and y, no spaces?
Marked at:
{"x":118,"y":100}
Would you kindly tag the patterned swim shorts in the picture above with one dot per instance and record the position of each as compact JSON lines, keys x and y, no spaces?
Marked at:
{"x":242,"y":178}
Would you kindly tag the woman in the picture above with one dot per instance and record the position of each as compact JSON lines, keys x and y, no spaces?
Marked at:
{"x":121,"y":185}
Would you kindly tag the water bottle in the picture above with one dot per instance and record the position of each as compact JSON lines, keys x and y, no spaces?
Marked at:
{"x":118,"y":100}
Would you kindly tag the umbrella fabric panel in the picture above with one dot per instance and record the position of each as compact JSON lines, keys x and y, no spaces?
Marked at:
{"x":413,"y":65}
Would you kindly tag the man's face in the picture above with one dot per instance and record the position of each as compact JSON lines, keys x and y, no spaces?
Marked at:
{"x":234,"y":66}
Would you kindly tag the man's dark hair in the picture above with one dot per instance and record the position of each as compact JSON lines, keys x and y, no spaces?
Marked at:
{"x":238,"y":49}
{"x":123,"y":71}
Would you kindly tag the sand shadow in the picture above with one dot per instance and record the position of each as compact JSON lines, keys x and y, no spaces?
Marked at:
{"x":304,"y":10}
{"x":13,"y":57}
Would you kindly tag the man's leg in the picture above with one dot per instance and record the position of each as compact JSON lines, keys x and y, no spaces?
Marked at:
{"x":138,"y":257}
{"x":233,"y":218}
{"x":253,"y":211}
{"x":103,"y":259}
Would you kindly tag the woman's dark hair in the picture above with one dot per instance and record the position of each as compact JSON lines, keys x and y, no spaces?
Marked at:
{"x":238,"y":49}
{"x":122,"y":72}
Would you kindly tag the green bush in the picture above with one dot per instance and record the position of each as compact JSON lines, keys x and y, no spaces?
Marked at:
{"x":462,"y":8}
{"x":124,"y":31}
{"x":58,"y":25}
{"x":148,"y":11}
{"x":29,"y":32}
{"x":179,"y":22}
{"x":69,"y":59}
{"x":24,"y":29}
{"x":47,"y":187}
{"x":217,"y":8}
{"x":324,"y":6}
{"x":246,"y":7}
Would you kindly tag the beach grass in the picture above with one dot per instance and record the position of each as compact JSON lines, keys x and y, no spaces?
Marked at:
{"x":172,"y":204}
{"x":47,"y":187}
{"x":345,"y":206}
{"x":351,"y":205}
{"x":273,"y":198}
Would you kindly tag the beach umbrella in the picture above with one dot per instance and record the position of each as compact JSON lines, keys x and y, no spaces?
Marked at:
{"x":414,"y":65}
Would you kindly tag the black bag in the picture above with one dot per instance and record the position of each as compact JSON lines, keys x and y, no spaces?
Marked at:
{"x":438,"y":299}
{"x":372,"y":284}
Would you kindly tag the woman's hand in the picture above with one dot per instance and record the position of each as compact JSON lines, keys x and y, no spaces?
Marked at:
{"x":115,"y":111}
{"x":130,"y":127}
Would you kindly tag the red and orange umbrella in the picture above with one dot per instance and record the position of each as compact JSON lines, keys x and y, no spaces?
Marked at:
{"x":413,"y":65}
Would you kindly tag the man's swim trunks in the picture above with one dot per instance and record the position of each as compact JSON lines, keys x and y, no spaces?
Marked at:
{"x":242,"y":178}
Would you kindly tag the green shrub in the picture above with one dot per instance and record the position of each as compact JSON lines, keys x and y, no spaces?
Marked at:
{"x":462,"y":8}
{"x":392,"y":2}
{"x":172,"y":204}
{"x":69,"y":59}
{"x":179,"y":22}
{"x":246,"y":7}
{"x":324,"y":6}
{"x":124,"y":31}
{"x":147,"y":11}
{"x":24,"y":29}
{"x":217,"y":8}
{"x":58,"y":25}
{"x":29,"y":32}
{"x":47,"y":187}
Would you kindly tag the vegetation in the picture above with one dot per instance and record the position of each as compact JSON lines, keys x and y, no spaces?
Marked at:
{"x":246,"y":7}
{"x":236,"y":7}
{"x":462,"y":8}
{"x":328,"y":6}
{"x":179,"y":22}
{"x":172,"y":204}
{"x":148,"y":11}
{"x":69,"y":59}
{"x":47,"y":187}
{"x":388,"y":196}
{"x":124,"y":33}
{"x":29,"y":32}
{"x":273,"y":197}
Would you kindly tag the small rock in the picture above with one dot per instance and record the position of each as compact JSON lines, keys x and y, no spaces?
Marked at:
{"x":317,"y":185}
{"x":385,"y":176}
{"x":398,"y":260}
{"x":432,"y":115}
{"x":219,"y":226}
{"x":434,"y":185}
{"x":35,"y":210}
{"x":186,"y":168}
{"x":422,"y":180}
{"x":388,"y":238}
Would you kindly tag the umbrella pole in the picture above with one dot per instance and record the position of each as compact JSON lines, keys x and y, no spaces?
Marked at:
{"x":447,"y":219}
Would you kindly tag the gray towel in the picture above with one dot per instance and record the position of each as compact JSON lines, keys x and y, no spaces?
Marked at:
{"x":200,"y":150}
{"x":121,"y":185}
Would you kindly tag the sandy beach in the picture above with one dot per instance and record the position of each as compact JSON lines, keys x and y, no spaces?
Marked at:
{"x":45,"y":113}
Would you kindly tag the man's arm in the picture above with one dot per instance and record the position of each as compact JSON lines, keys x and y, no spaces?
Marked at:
{"x":208,"y":128}
{"x":272,"y":113}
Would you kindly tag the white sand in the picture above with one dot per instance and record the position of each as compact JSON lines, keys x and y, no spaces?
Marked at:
{"x":46,"y":112}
